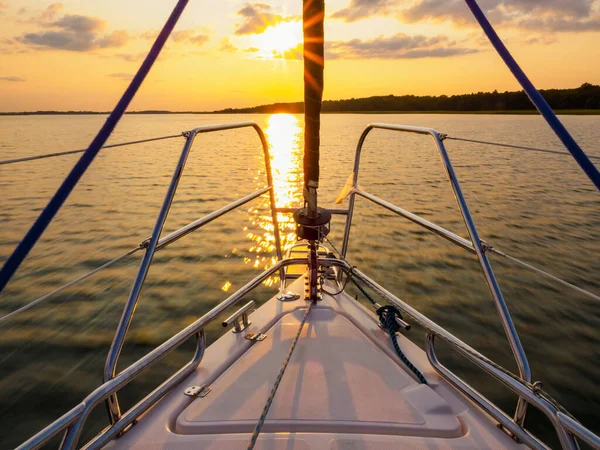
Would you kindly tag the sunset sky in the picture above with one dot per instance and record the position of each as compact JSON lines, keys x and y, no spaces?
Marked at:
{"x":79,"y":54}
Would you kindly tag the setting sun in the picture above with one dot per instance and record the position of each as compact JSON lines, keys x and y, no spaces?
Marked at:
{"x":278,"y":39}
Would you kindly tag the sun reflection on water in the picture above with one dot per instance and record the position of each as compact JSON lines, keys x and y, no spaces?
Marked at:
{"x":284,"y":135}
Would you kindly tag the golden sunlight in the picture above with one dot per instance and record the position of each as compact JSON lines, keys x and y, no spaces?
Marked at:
{"x":283,"y":132}
{"x":278,"y":39}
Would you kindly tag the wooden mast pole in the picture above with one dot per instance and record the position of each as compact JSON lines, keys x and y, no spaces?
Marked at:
{"x":312,"y":18}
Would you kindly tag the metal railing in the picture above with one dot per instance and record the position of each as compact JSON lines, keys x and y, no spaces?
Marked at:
{"x":71,"y":423}
{"x":74,"y":420}
{"x":110,"y":367}
{"x":475,"y":246}
{"x":565,"y":426}
{"x":162,"y":243}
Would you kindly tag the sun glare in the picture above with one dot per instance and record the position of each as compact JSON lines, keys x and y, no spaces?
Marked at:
{"x":278,"y":39}
{"x":284,"y":134}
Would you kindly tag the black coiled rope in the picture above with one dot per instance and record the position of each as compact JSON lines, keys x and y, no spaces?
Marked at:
{"x":387,"y":317}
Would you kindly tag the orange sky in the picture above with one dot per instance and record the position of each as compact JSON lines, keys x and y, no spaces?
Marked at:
{"x":77,"y":55}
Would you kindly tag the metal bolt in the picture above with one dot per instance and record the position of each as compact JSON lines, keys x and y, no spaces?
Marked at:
{"x":485,"y":246}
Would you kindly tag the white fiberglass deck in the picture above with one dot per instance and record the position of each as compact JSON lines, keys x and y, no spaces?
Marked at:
{"x":343,"y":389}
{"x":337,"y":381}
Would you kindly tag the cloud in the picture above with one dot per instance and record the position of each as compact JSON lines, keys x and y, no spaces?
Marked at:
{"x":539,"y":15}
{"x":437,"y":11}
{"x":199,"y":39}
{"x":113,"y":40}
{"x":131,"y":57}
{"x":561,"y":24}
{"x":399,"y":46}
{"x":296,"y":53}
{"x":50,"y":12}
{"x":121,"y":76}
{"x":75,"y":33}
{"x":150,"y":34}
{"x":540,"y":40}
{"x":572,"y":8}
{"x":13,"y":79}
{"x":257,"y":17}
{"x":180,"y":37}
{"x":251,"y":49}
{"x":12,"y":47}
{"x":361,"y":9}
{"x":40,"y":16}
{"x":227,"y":46}
{"x":78,"y":24}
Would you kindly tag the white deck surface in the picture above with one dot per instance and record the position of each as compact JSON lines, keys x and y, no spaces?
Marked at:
{"x":344,"y":389}
{"x":337,"y":381}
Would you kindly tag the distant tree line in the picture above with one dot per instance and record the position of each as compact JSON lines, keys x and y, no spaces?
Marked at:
{"x":587,"y":96}
{"x":584,"y":98}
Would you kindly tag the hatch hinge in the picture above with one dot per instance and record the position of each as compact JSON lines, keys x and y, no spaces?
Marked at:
{"x":197,"y":391}
{"x":255,"y":336}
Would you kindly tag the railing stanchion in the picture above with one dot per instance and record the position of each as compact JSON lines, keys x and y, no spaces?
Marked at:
{"x":490,"y":278}
{"x":110,"y":367}
{"x":272,"y":202}
{"x":517,"y":384}
{"x":359,"y":147}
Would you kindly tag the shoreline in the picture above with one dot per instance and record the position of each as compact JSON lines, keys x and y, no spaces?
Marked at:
{"x":571,"y":112}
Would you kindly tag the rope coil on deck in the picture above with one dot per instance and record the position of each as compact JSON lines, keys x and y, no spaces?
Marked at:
{"x":286,"y":361}
{"x":387,"y":318}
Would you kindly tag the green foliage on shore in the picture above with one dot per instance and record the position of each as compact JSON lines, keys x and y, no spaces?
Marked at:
{"x":584,"y":98}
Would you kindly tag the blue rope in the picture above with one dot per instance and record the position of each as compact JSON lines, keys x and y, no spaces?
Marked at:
{"x":387,"y":317}
{"x":35,"y":232}
{"x":535,"y":97}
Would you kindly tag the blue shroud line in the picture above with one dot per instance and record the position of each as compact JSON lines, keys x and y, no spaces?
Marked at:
{"x":35,"y":232}
{"x":535,"y":97}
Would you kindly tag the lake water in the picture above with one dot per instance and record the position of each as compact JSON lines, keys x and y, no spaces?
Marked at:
{"x":535,"y":206}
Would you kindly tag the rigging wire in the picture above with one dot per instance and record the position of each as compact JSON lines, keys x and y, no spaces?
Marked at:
{"x":543,"y":273}
{"x":72,"y":152}
{"x":47,"y":215}
{"x":519,"y":147}
{"x":535,"y":387}
{"x":69,"y":284}
{"x":536,"y":98}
